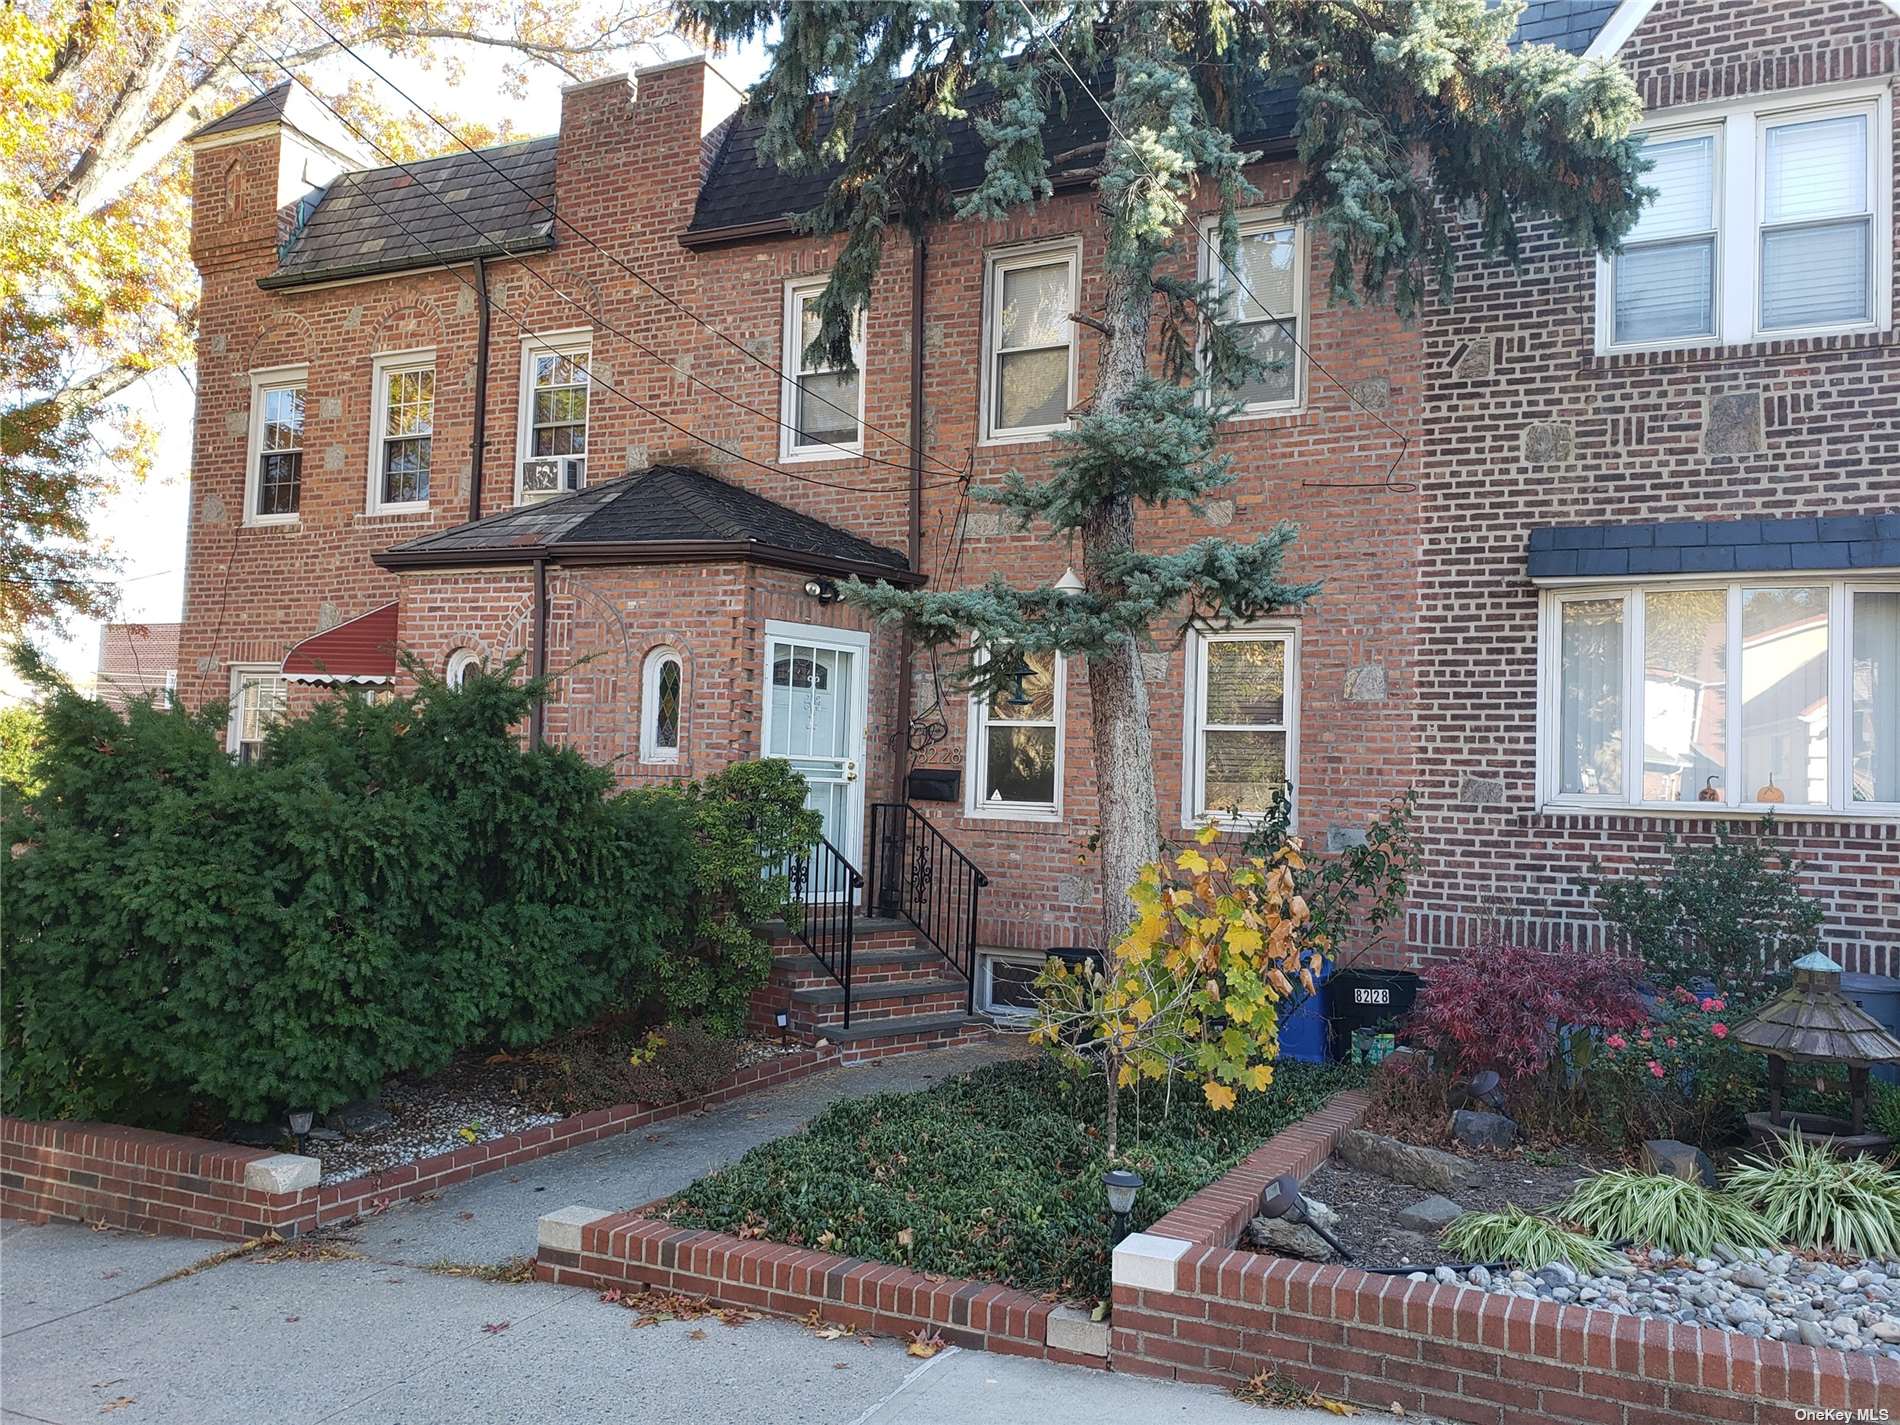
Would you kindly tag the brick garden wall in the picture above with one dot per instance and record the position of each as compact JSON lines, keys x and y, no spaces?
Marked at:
{"x":167,"y":1183}
{"x":1530,"y":427}
{"x":1199,"y":1310}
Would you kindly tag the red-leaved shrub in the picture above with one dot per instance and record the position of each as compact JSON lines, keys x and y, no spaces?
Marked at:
{"x":1506,"y":1007}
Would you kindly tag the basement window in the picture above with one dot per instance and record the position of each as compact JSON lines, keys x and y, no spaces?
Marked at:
{"x":1006,"y":984}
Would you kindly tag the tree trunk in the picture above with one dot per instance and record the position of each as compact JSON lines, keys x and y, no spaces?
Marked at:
{"x":1118,"y":694}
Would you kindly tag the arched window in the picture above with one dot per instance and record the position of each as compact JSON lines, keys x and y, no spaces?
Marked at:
{"x":460,"y":662}
{"x":660,"y":707}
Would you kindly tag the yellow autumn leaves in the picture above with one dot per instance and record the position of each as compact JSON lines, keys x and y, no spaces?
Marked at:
{"x":1218,"y":950}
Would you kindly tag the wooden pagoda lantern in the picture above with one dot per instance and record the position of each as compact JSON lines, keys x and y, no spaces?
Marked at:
{"x":1812,"y":1021}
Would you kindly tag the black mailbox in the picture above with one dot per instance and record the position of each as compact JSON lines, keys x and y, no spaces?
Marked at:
{"x":1363,"y":999}
{"x":934,"y":784}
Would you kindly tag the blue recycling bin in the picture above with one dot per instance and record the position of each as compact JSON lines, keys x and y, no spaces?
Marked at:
{"x":1303,"y":1034}
{"x":1879,"y":996}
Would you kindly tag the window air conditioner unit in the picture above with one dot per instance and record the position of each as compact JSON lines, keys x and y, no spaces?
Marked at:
{"x":549,"y":475}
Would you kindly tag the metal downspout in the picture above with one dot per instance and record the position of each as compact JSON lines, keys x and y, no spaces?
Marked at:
{"x":539,"y":664}
{"x":920,"y":253}
{"x":480,"y":436}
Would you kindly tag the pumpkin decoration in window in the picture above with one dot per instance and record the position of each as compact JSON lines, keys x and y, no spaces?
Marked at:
{"x":1710,"y":792}
{"x":1771,"y":793}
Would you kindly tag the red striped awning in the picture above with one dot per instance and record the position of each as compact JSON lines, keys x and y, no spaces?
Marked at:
{"x":362,"y":650}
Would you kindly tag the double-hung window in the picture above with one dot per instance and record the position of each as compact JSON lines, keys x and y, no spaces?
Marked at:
{"x":273,"y":482}
{"x":1016,"y":744}
{"x":402,"y":431}
{"x":258,"y":693}
{"x":554,"y":392}
{"x":1242,"y":733}
{"x":1770,"y":219}
{"x":1264,"y":295}
{"x":1762,"y":694}
{"x":1029,"y":342}
{"x":821,"y":407}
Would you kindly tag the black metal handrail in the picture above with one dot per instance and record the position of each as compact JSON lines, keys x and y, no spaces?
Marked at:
{"x":825,"y":886}
{"x":917,"y":873}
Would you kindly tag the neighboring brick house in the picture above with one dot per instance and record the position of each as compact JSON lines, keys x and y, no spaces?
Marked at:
{"x":349,"y":433}
{"x":137,"y":660}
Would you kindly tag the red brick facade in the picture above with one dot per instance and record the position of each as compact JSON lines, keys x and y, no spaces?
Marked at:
{"x":1416,"y":665}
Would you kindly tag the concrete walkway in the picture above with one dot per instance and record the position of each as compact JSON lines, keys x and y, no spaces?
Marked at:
{"x":107,"y":1324}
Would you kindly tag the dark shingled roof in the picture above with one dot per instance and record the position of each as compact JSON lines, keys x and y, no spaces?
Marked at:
{"x":670,"y":513}
{"x":266,"y":108}
{"x":450,"y":208}
{"x":1617,"y":551}
{"x":736,"y":196}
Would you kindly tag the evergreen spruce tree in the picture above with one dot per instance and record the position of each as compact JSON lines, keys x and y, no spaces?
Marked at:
{"x":1414,"y":116}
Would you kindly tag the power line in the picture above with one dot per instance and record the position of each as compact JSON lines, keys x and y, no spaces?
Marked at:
{"x":1405,"y":441}
{"x":529,"y":332}
{"x":555,"y":216}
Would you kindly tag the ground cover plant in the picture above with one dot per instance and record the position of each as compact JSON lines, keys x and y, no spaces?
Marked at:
{"x":1811,"y":1198}
{"x":994,"y":1175}
{"x":1659,"y":1211}
{"x":1514,"y":1235}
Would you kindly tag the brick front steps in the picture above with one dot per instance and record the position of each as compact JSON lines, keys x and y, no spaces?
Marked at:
{"x":167,"y":1183}
{"x":1187,"y":1305}
{"x":905,"y":998}
{"x":586,"y":1247}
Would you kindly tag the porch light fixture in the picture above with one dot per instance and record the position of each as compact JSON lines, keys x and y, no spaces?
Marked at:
{"x":1121,"y":1185}
{"x":300,"y":1121}
{"x":1281,"y":1199}
{"x":823,"y":590}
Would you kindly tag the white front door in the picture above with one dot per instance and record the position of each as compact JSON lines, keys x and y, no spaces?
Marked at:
{"x":814,"y":719}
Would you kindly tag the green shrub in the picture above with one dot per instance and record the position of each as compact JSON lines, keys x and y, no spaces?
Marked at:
{"x":1883,"y":1109}
{"x":1681,"y":1217}
{"x":386,"y":884}
{"x":995,"y":1175}
{"x":748,"y":817}
{"x":1515,"y":1235}
{"x":1811,"y":1198}
{"x":19,"y":751}
{"x":1731,"y":911}
{"x":1681,"y":1075}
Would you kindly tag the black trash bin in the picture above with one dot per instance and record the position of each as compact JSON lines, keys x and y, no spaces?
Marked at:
{"x":1365,"y":999}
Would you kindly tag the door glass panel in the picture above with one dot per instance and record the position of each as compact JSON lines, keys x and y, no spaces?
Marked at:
{"x":1685,"y":696}
{"x":1590,"y":698}
{"x":1784,"y":695}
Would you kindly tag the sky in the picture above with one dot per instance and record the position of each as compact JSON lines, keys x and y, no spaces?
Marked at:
{"x":144,"y":524}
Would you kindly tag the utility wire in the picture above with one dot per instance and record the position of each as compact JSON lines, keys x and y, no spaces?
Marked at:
{"x":1213,"y":248}
{"x":615,"y":259}
{"x":530,"y":333}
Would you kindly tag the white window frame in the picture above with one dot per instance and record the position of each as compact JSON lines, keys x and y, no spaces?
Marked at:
{"x":234,"y":717}
{"x":1194,"y":718}
{"x":1211,"y":270}
{"x":1841,"y":590}
{"x":791,"y":447}
{"x":985,"y":989}
{"x":1739,"y":194}
{"x":976,"y":785}
{"x":650,"y":749}
{"x":996,"y":264}
{"x":263,"y":380}
{"x":460,"y":661}
{"x":383,"y":365}
{"x":579,"y":342}
{"x":171,"y":688}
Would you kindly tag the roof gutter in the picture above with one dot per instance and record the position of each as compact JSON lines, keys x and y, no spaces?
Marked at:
{"x":668,"y":551}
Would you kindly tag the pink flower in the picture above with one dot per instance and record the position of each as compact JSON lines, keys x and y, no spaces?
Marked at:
{"x":1720,"y":1031}
{"x":1617,"y":1041}
{"x":1645,"y":1035}
{"x":1708,"y":1006}
{"x":1655,"y":1069}
{"x":1716,"y":1005}
{"x":1670,"y":1041}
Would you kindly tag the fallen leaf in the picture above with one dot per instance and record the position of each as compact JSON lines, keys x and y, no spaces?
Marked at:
{"x":108,"y":1276}
{"x":612,"y":1294}
{"x":698,"y":1333}
{"x":495,"y":1328}
{"x":119,"y":1404}
{"x":465,"y":1216}
{"x":906,"y":1238}
{"x":292,"y":1320}
{"x":841,"y":1365}
{"x":924,"y":1343}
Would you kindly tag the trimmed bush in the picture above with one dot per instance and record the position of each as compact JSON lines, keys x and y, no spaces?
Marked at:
{"x":388,"y":883}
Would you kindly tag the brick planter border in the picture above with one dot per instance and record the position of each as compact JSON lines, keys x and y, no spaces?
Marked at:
{"x":171,"y":1184}
{"x":586,"y":1247}
{"x":1189,"y":1306}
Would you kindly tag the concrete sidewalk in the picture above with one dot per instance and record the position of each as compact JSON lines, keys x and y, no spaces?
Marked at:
{"x":110,"y":1324}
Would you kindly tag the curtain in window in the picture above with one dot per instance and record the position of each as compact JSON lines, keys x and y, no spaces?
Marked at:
{"x":1875,"y":694}
{"x":1590,"y":698}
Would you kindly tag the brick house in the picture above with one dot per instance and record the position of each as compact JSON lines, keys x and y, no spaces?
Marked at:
{"x":137,"y":660}
{"x":433,"y":415}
